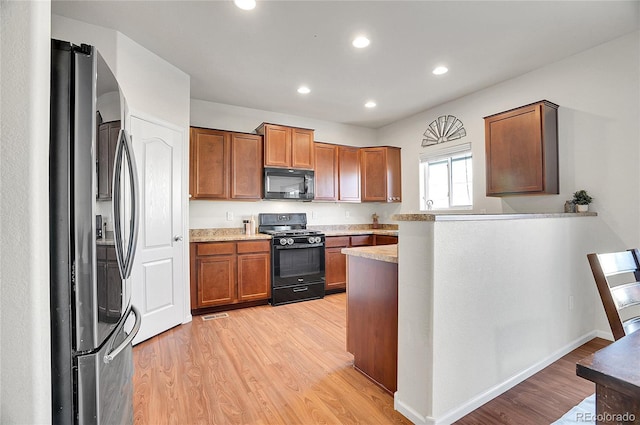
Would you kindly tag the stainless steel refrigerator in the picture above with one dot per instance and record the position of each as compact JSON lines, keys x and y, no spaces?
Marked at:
{"x":92,"y":319}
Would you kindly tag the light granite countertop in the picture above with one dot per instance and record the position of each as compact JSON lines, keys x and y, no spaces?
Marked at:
{"x":105,"y":241}
{"x":223,"y":235}
{"x":481,"y":217}
{"x":236,"y":234}
{"x":386,"y":253}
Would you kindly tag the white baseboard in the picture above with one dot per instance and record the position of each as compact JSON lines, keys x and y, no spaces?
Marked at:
{"x":409,"y":413}
{"x":474,"y":403}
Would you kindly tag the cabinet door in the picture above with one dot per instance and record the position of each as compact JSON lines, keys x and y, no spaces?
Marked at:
{"x":302,"y":152}
{"x":326,"y":172}
{"x":335,"y":268}
{"x":348,"y":174}
{"x":105,"y":155}
{"x":277,"y":146}
{"x":394,"y":175}
{"x":521,"y":150}
{"x":374,"y":174}
{"x":246,"y":166}
{"x":254,"y":277}
{"x":216,"y":280}
{"x":210,"y":158}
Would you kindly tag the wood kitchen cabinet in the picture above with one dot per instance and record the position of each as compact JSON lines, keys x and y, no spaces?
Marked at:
{"x":348,"y":174}
{"x":105,"y":155}
{"x":246,"y":166}
{"x":287,"y":147}
{"x":335,"y":262}
{"x":522,"y":150}
{"x":326,"y":171}
{"x":225,"y":274}
{"x":385,"y":240}
{"x":254,"y":270}
{"x":225,"y":165}
{"x":109,"y":295}
{"x":381,"y":174}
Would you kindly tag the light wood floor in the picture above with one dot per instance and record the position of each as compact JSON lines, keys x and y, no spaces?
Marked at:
{"x":288,"y":365}
{"x":543,"y":398}
{"x":261,"y":365}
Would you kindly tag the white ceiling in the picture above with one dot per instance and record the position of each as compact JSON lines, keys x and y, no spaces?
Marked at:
{"x":257,"y":59}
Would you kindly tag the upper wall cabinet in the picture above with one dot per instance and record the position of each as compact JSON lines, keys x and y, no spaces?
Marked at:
{"x":348,"y":174}
{"x":522,"y":150}
{"x":381,"y":174}
{"x":287,"y":147}
{"x":225,"y":165}
{"x":326,"y":171}
{"x":108,"y":133}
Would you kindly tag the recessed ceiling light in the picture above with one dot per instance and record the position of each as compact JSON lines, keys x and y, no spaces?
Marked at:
{"x":245,"y":4}
{"x":370,"y":104}
{"x":304,"y":90}
{"x":439,"y":70}
{"x":360,"y":42}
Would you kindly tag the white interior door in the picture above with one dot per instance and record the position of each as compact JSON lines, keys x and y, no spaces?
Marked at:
{"x":158,"y":288}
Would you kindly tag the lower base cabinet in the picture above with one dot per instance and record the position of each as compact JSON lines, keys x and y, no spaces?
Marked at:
{"x":229,"y":273}
{"x":335,"y":262}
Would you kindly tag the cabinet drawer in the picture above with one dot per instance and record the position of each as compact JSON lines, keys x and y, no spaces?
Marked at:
{"x":297,"y":293}
{"x":254,"y":246}
{"x":362,"y":240}
{"x":386,"y":240}
{"x":217,"y":248}
{"x":336,"y":241}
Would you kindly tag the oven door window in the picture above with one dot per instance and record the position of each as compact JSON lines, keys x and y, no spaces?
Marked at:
{"x":298,"y":265}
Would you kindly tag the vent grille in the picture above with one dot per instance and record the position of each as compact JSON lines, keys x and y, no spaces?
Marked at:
{"x":214,"y":316}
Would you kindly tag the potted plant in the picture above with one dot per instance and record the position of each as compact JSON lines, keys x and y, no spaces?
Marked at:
{"x":582,"y":199}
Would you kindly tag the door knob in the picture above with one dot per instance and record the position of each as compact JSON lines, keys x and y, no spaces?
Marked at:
{"x":177,"y":238}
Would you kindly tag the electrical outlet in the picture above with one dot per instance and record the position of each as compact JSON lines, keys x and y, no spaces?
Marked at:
{"x":229,"y":215}
{"x":314,"y":214}
{"x":346,"y":214}
{"x":570,"y":302}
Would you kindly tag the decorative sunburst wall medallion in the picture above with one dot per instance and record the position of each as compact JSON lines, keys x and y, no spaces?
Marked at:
{"x":443,"y":129}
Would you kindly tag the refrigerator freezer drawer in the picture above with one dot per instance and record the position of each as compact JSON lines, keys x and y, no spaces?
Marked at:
{"x":105,"y":390}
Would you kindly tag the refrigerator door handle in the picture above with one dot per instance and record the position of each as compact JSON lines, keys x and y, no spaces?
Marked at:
{"x":124,"y":151}
{"x":134,"y":331}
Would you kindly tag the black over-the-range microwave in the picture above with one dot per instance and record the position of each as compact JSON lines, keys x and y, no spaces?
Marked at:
{"x":285,"y":183}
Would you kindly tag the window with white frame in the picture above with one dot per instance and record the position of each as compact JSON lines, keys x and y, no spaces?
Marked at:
{"x":446,"y":178}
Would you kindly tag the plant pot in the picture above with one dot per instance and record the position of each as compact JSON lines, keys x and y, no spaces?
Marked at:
{"x":582,"y":208}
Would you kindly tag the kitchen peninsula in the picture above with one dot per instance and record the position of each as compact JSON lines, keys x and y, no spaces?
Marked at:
{"x":372,"y":312}
{"x":487,"y":300}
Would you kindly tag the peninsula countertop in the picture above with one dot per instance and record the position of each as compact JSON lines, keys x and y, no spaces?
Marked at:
{"x":482,"y":217}
{"x":386,"y":253}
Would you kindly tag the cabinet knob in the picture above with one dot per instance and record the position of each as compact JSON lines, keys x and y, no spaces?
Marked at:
{"x":177,"y":238}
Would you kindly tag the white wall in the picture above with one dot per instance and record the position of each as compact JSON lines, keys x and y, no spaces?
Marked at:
{"x":25,"y":392}
{"x":599,"y":133}
{"x":206,"y":214}
{"x":475,"y":321}
{"x":149,"y":83}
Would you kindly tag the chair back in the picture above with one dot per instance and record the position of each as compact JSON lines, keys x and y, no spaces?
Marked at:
{"x":617,"y":276}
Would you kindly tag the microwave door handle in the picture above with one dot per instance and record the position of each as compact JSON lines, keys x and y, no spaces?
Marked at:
{"x":306,"y":184}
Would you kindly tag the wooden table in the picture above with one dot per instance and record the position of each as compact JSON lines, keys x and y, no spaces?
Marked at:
{"x":616,"y":372}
